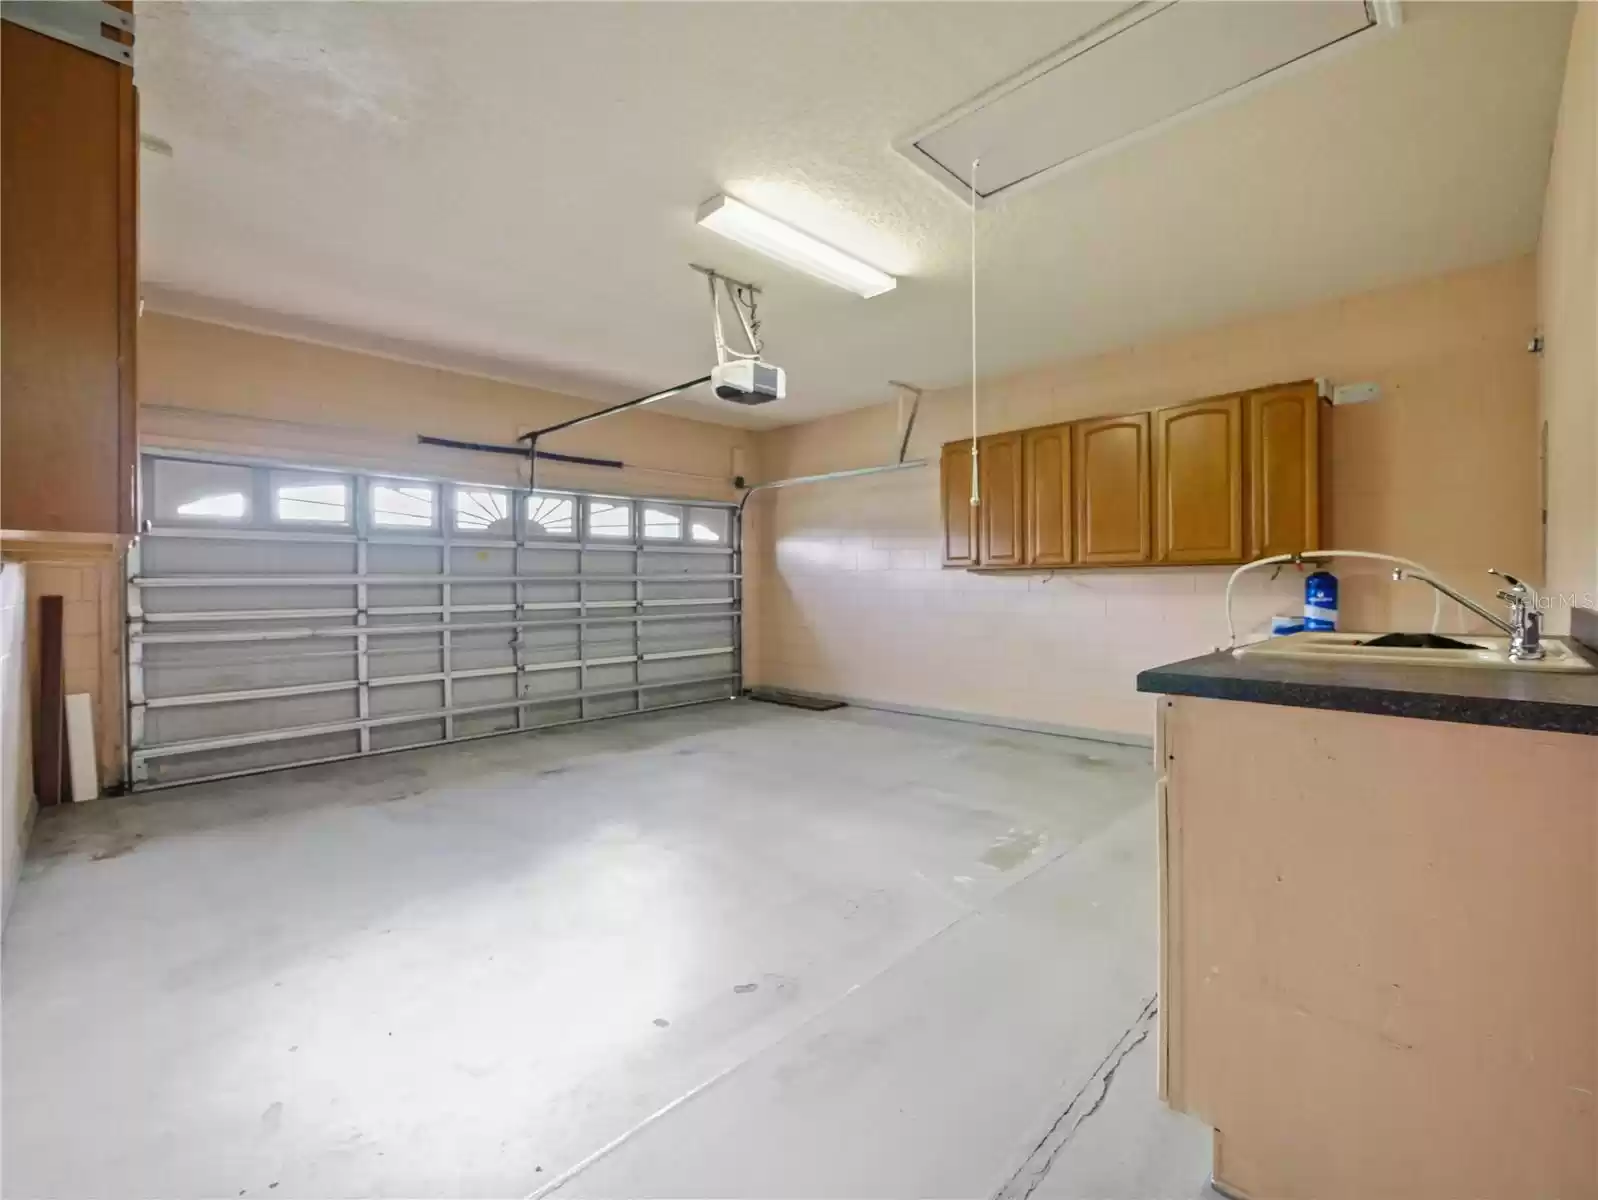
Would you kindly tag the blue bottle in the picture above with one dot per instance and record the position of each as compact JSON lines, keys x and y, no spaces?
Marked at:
{"x":1320,"y":602}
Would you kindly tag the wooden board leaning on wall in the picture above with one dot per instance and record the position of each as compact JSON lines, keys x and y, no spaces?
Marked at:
{"x":1212,"y":482}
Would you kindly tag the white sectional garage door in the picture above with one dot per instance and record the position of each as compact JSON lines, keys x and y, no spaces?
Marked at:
{"x":280,"y":615}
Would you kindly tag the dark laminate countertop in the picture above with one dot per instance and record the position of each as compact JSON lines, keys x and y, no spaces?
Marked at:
{"x":1556,"y":703}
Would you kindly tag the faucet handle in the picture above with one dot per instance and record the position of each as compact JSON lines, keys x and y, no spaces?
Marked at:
{"x":1516,"y":585}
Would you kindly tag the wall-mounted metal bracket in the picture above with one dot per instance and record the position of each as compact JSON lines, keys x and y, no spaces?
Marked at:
{"x":81,"y":23}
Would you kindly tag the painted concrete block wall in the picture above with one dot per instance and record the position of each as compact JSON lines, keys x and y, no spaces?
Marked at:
{"x":1568,"y":309}
{"x":16,"y":758}
{"x":850,"y":598}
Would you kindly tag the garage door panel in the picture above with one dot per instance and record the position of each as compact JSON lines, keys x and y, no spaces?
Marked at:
{"x":560,"y":682}
{"x":256,"y":556}
{"x":261,"y":756}
{"x":476,"y":560}
{"x":404,"y":595}
{"x":192,"y":722}
{"x":395,"y":698}
{"x":240,"y":672}
{"x":687,"y":634}
{"x":403,"y":623}
{"x":410,"y":733}
{"x":391,"y":662}
{"x":612,"y":706}
{"x":389,"y":559}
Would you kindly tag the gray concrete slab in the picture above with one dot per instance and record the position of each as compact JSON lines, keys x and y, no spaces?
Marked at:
{"x":731,"y":950}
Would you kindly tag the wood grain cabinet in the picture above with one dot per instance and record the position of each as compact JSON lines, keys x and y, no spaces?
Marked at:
{"x":1284,"y":470}
{"x":959,"y":515}
{"x":1001,"y":519}
{"x":1198,"y":482}
{"x":69,"y":148}
{"x":1211,"y":482}
{"x":1046,"y":468}
{"x":1110,"y":486}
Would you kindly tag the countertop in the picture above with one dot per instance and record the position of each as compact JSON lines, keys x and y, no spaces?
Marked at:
{"x":1551,"y":702}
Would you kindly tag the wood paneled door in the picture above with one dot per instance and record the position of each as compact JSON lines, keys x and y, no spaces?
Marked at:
{"x":1284,"y":466}
{"x":959,"y":515}
{"x":1046,"y":463}
{"x":1001,"y":519}
{"x":1110,"y":468}
{"x":1198,"y":481}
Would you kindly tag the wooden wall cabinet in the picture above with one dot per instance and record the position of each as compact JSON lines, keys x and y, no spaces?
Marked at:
{"x":1198,"y":482}
{"x":1046,"y":468}
{"x":1284,"y":470}
{"x":959,"y":515}
{"x":69,"y":145}
{"x":1111,"y":489}
{"x":1001,"y":521}
{"x":1212,"y":482}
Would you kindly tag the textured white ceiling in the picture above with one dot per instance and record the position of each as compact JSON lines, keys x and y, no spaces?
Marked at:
{"x":510,"y":188}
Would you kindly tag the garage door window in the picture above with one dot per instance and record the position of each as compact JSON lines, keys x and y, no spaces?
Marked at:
{"x":662,"y":522}
{"x":551,"y":516}
{"x":199,"y":491}
{"x":482,"y":510}
{"x":610,"y":519}
{"x":708,"y":525}
{"x":310,"y":498}
{"x":404,"y":505}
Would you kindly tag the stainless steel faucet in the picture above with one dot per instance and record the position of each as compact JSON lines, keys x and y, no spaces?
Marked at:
{"x":1524,"y":624}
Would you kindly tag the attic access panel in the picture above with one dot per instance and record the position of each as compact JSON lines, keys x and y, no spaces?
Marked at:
{"x":1149,"y":65}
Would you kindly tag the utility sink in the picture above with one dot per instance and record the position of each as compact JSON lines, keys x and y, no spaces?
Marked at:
{"x":1488,"y":653}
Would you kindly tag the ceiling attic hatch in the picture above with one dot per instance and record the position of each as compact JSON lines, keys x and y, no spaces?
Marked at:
{"x":1148,"y":66}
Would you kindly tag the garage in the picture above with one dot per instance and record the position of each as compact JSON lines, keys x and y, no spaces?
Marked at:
{"x":852,"y":601}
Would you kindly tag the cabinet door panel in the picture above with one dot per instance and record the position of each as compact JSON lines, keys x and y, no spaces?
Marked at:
{"x":959,"y":518}
{"x":1001,"y":519}
{"x":1284,"y":470}
{"x":1046,"y":462}
{"x":1111,"y":486}
{"x":1198,"y":481}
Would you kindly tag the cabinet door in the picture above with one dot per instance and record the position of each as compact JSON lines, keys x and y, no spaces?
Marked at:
{"x":1046,"y":462}
{"x":959,"y":517}
{"x":1198,"y":482}
{"x":1001,"y":519}
{"x":68,"y":287}
{"x":1284,"y":470}
{"x":1110,"y":466}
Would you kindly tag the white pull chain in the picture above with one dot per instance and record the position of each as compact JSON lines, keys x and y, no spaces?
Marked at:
{"x":976,"y":496}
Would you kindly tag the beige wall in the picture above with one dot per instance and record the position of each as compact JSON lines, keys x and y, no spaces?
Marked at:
{"x":212,"y":387}
{"x":849,"y":597}
{"x":16,"y":758}
{"x":1568,"y":309}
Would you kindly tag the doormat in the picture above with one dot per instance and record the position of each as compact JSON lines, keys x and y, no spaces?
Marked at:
{"x":794,"y":699}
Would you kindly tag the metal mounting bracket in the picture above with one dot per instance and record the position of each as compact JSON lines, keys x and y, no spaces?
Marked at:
{"x":80,"y":23}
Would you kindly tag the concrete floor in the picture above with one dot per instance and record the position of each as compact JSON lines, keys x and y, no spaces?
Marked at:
{"x":733,"y":950}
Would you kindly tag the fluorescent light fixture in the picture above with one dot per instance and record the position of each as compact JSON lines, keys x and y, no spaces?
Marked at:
{"x":736,"y":220}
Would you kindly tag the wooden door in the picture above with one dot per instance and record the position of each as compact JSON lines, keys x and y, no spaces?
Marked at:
{"x":1046,"y":463}
{"x":1001,"y":521}
{"x":959,"y":516}
{"x":1110,"y":469}
{"x":1198,"y":482}
{"x":1284,"y":470}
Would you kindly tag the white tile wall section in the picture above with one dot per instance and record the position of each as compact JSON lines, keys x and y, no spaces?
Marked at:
{"x":16,"y":758}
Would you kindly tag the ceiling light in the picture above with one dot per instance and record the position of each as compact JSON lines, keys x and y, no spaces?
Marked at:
{"x":735,"y":220}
